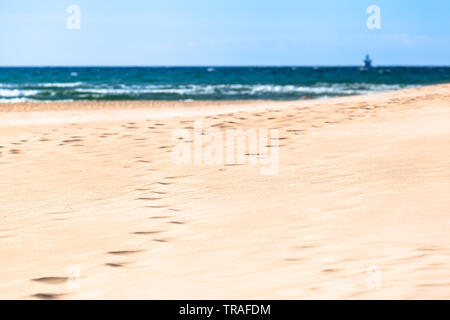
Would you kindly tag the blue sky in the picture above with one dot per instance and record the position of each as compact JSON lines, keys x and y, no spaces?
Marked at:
{"x":217,"y":32}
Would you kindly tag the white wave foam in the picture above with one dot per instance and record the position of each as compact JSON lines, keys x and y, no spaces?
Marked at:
{"x":60,"y":84}
{"x":10,"y":92}
{"x":15,"y":100}
{"x":17,"y":93}
{"x":242,"y":89}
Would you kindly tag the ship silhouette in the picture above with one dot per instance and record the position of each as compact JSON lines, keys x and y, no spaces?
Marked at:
{"x":367,"y":62}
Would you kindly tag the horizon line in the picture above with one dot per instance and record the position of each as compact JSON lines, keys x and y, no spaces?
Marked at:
{"x":221,"y":66}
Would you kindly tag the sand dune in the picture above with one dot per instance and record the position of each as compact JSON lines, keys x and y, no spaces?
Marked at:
{"x":93,"y":206}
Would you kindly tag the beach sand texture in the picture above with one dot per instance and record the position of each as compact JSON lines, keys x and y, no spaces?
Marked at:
{"x":359,"y":209}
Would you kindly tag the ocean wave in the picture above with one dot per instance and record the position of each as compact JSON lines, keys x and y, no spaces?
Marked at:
{"x":80,"y":90}
{"x":208,"y":83}
{"x":15,"y":100}
{"x":60,"y":84}
{"x":16,"y":93}
{"x":232,"y":89}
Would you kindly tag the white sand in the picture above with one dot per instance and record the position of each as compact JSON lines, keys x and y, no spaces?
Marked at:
{"x":363,"y":182}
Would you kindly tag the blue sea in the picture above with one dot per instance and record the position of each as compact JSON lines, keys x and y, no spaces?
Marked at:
{"x":206,"y":83}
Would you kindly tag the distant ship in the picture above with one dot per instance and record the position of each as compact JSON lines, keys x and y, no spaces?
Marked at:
{"x":367,"y":62}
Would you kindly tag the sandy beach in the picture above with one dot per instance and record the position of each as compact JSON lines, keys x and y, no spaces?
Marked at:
{"x":94,"y":207}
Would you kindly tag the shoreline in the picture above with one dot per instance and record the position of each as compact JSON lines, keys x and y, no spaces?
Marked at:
{"x":148,"y":104}
{"x":112,"y":111}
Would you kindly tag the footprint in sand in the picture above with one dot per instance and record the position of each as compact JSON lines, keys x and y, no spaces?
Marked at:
{"x":156,"y":207}
{"x":124,"y":252}
{"x":293,"y":259}
{"x":145,"y":233}
{"x":176,"y":177}
{"x":114,"y":265}
{"x":163,"y":183}
{"x":51,"y":280}
{"x":330,"y":270}
{"x":48,"y":296}
{"x":72,"y":140}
